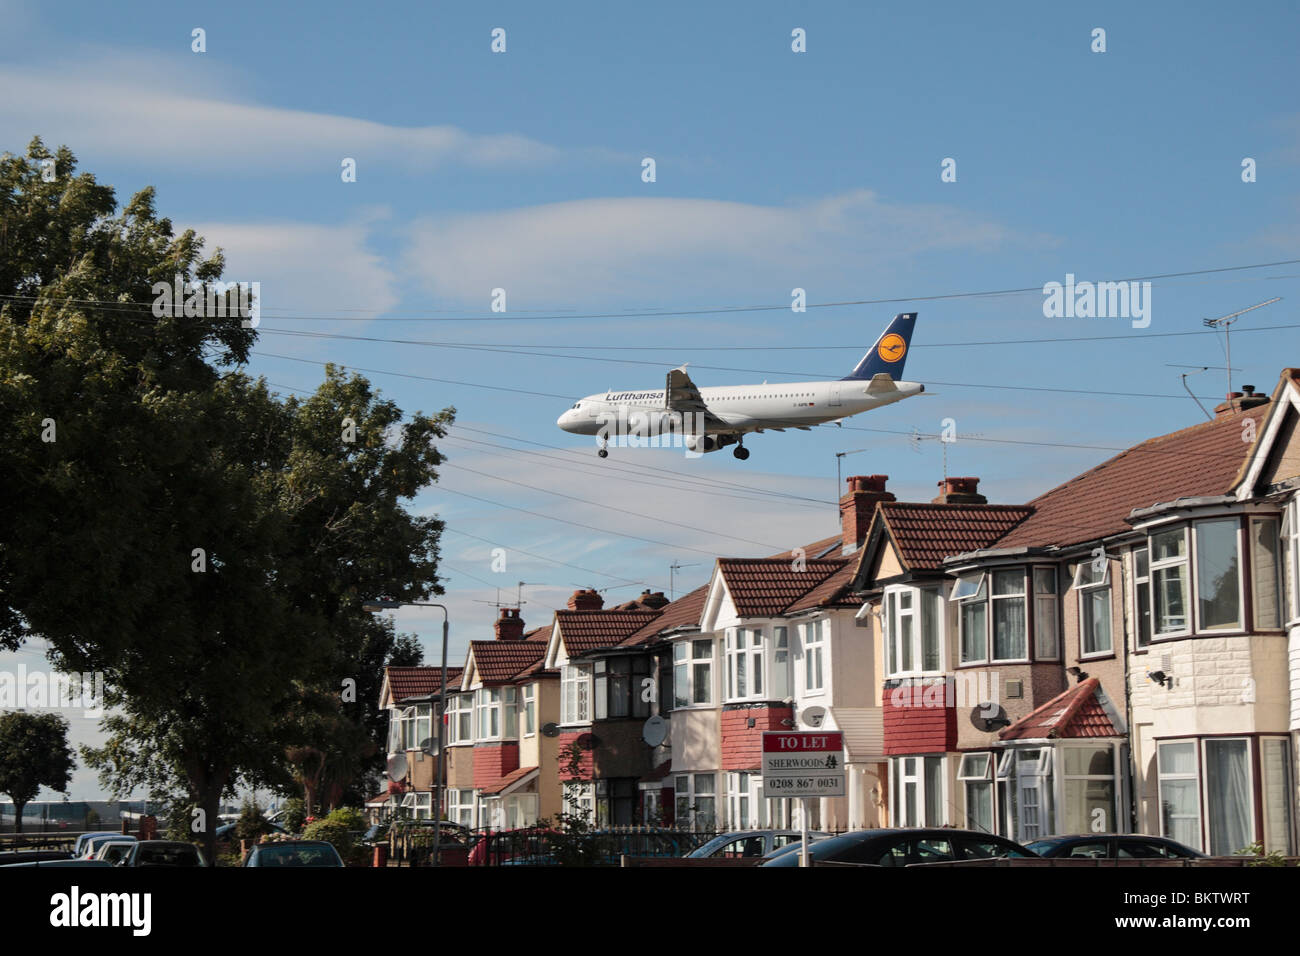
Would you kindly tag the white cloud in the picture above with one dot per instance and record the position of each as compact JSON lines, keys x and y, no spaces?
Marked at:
{"x":593,"y":249}
{"x":160,"y":110}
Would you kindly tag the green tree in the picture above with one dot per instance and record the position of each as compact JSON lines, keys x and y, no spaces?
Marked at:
{"x":34,"y":753}
{"x":203,"y":543}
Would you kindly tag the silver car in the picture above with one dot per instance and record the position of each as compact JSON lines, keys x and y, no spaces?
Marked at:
{"x":751,"y":843}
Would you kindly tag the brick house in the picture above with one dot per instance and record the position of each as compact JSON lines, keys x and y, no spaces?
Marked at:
{"x":410,"y":695}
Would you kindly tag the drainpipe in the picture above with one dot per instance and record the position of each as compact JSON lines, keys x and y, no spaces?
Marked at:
{"x":1128,"y":701}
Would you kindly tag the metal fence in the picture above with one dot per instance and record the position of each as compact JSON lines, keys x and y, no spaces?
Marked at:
{"x":543,"y":846}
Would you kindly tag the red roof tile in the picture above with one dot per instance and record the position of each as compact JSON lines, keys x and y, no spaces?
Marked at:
{"x":763,"y":587}
{"x":499,"y":662}
{"x":404,"y":682}
{"x":926,"y":533}
{"x":1075,"y":713}
{"x":501,"y":783}
{"x":1202,"y":460}
{"x":585,"y":631}
{"x":834,"y":591}
{"x":684,"y":612}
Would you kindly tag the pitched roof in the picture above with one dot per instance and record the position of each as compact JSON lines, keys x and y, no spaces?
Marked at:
{"x":506,"y":780}
{"x":925,"y":533}
{"x":764,"y":587}
{"x":823,"y":547}
{"x":835,"y":590}
{"x":499,"y":662}
{"x":1202,"y":460}
{"x":1075,"y":713}
{"x":586,"y":631}
{"x":684,"y":612}
{"x":404,"y":682}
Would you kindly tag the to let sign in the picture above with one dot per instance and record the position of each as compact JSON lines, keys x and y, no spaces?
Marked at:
{"x":803,"y":764}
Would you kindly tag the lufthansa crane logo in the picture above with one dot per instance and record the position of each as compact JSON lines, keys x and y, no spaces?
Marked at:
{"x":892,"y":348}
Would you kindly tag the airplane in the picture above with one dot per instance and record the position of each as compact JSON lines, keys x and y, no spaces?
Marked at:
{"x":709,"y":419}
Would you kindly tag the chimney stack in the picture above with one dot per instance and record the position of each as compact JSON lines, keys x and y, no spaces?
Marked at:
{"x":1239,"y":402}
{"x":652,"y":600}
{"x":510,"y":626}
{"x":857,"y":507}
{"x":960,"y":491}
{"x":587,"y":599}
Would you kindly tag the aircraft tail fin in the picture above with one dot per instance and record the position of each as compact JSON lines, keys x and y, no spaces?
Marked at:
{"x":889,"y":354}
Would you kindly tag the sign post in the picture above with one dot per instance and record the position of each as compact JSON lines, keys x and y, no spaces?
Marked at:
{"x":803,"y":764}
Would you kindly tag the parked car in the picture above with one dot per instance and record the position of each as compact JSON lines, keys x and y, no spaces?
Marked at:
{"x":902,"y":847}
{"x":294,"y":853}
{"x":114,"y":851}
{"x":79,"y":848}
{"x":1113,"y":846}
{"x":91,"y":847}
{"x":173,"y":853}
{"x":755,"y":843}
{"x":64,"y":862}
{"x":11,"y":857}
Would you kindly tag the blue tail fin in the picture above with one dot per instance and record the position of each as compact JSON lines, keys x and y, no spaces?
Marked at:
{"x":889,"y":354}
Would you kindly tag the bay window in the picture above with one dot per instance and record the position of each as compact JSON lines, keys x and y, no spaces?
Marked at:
{"x":423,"y":724}
{"x":1008,"y":615}
{"x":696,"y":801}
{"x":1231,"y":810}
{"x":618,"y":687}
{"x":1142,"y":598}
{"x":1180,"y":803}
{"x":913,"y":632}
{"x":693,"y":672}
{"x":1047,"y":644}
{"x":976,"y":773}
{"x":487,"y":705}
{"x":1089,"y":789}
{"x":1266,"y":571}
{"x":460,"y":806}
{"x":970,"y":590}
{"x":1169,"y":581}
{"x":1291,"y":539}
{"x":1278,"y":786}
{"x":920,"y":791}
{"x":1093,"y":586}
{"x":1218,"y":581}
{"x":780,"y":662}
{"x":744,"y":663}
{"x":580,"y":799}
{"x":575,"y":694}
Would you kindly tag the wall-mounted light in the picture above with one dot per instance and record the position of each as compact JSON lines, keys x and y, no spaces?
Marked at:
{"x":1078,"y":673}
{"x":1161,"y":678}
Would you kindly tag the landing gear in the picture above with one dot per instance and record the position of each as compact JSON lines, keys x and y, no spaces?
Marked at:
{"x":602,"y":452}
{"x":741,"y":452}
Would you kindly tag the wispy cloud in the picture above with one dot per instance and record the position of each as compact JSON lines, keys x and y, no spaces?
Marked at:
{"x":593,"y":249}
{"x":156,"y":110}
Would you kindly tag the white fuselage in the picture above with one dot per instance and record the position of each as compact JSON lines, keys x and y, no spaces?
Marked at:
{"x":744,"y":408}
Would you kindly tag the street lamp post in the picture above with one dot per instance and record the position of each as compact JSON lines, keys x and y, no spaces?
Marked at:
{"x":438,"y":718}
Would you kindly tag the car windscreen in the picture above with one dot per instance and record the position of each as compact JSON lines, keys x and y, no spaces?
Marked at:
{"x":289,"y":854}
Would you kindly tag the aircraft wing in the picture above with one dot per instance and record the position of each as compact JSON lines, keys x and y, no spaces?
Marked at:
{"x":682,"y":395}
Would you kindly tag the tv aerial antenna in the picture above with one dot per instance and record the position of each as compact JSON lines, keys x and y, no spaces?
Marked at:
{"x":672,"y":579}
{"x":519,"y":596}
{"x":1225,"y":322}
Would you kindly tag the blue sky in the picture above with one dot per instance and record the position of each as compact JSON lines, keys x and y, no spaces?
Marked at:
{"x":775,"y":170}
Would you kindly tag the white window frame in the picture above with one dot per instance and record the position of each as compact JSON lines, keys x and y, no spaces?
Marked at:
{"x":580,"y":799}
{"x":1252,"y":783}
{"x":528,"y":710}
{"x":487,"y":711}
{"x":922,"y":603}
{"x":575,"y":694}
{"x":814,"y":638}
{"x":898,"y":771}
{"x":1115,"y":824}
{"x":968,"y":775}
{"x":1142,"y":636}
{"x":978,"y":596}
{"x":689,"y":656}
{"x":1165,"y":564}
{"x":1087,"y":584}
{"x":687,"y":794}
{"x":1240,"y":625}
{"x":991,"y":614}
{"x":1194,"y":775}
{"x":460,"y":805}
{"x":781,"y":674}
{"x":745,"y":660}
{"x":1291,"y":537}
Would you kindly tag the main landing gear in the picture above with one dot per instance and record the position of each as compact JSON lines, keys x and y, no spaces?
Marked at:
{"x":741,"y":452}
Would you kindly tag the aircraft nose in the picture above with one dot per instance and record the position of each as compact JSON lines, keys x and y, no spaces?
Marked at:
{"x":563,"y":421}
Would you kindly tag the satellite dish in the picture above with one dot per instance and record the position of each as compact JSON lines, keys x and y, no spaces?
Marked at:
{"x":430,"y":746}
{"x":654,"y":731}
{"x":397,"y":767}
{"x":989,"y":718}
{"x":550,"y":730}
{"x":813,"y":716}
{"x":587,"y":741}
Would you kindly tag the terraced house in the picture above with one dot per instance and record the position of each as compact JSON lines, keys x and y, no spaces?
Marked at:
{"x":1118,"y":654}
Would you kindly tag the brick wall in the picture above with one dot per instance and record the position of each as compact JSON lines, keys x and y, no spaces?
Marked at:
{"x":742,"y":745}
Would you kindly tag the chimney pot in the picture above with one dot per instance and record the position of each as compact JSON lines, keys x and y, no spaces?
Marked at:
{"x":955,"y":490}
{"x":509,"y":625}
{"x":586,"y":599}
{"x":857,"y":506}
